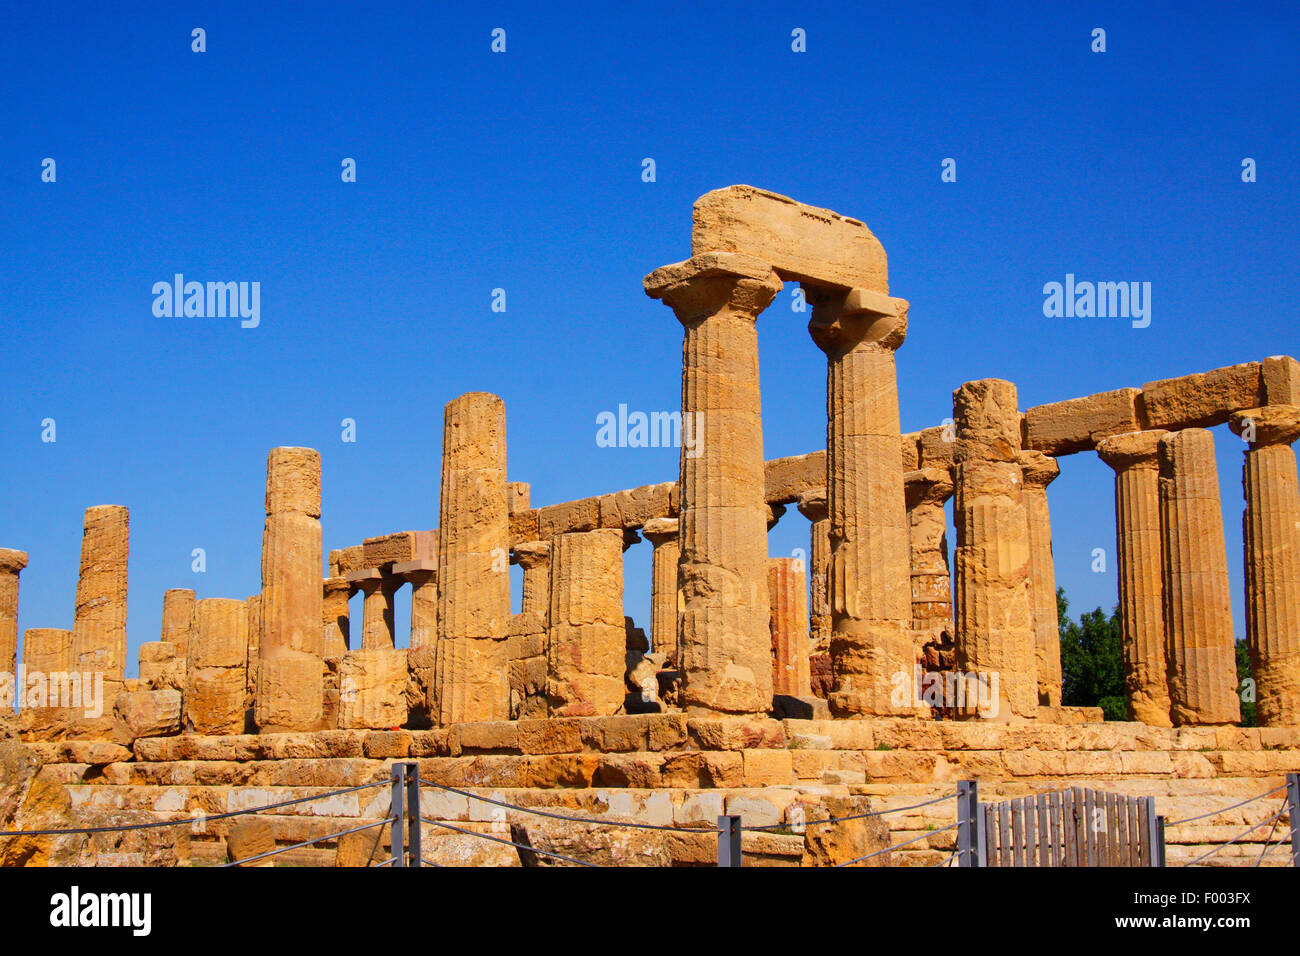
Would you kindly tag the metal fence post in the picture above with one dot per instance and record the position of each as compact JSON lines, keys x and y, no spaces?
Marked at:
{"x":729,"y":853}
{"x":1158,"y":842}
{"x":413,"y":841}
{"x":970,"y":838}
{"x":1293,"y":807}
{"x":397,"y":811}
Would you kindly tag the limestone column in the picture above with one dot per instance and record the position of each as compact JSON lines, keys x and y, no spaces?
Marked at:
{"x":527,"y":645}
{"x":1139,"y":541}
{"x":46,"y":651}
{"x":1040,"y":471}
{"x":871,"y":613}
{"x":787,"y":582}
{"x":424,"y":604}
{"x":99,"y":623}
{"x":177,"y":618}
{"x":812,"y":505}
{"x":335,"y":616}
{"x":290,"y":671}
{"x":473,"y":563}
{"x":253,"y":613}
{"x":928,"y":489}
{"x":995,"y":637}
{"x":1198,"y":608}
{"x":587,"y":646}
{"x":723,"y":634}
{"x":665,"y":600}
{"x":11,"y":563}
{"x":217,"y":658}
{"x":1272,"y":558}
{"x":377,"y":612}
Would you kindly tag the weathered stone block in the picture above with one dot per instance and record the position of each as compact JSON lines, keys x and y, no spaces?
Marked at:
{"x":146,"y":713}
{"x":1077,"y":424}
{"x":250,"y":838}
{"x":1204,"y":399}
{"x":372,"y":689}
{"x":802,"y":243}
{"x":290,"y":692}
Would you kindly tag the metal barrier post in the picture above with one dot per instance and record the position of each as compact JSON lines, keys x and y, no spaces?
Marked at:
{"x":397,"y":812}
{"x":413,"y":841}
{"x":729,"y":853}
{"x":970,"y":839}
{"x":1293,"y":807}
{"x":1158,"y":841}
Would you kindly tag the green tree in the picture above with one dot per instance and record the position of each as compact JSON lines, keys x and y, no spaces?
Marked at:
{"x":1243,"y":674}
{"x":1092,"y":660}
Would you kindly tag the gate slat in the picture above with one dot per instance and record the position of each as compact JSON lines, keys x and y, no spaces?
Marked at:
{"x":1144,"y":844}
{"x":1080,"y":816}
{"x":1040,"y":809}
{"x":1004,"y":825}
{"x":1121,"y":819}
{"x":1068,"y":838}
{"x":1018,"y":832}
{"x":1031,"y":831}
{"x":1134,"y":833}
{"x":1106,"y":847}
{"x":990,"y":834}
{"x":1057,"y":854}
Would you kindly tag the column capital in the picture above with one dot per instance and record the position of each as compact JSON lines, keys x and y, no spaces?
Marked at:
{"x":714,"y":282}
{"x":337,"y":585}
{"x":812,"y":504}
{"x":531,"y":554}
{"x":844,"y":319}
{"x":927,"y":486}
{"x":368,"y":580}
{"x":416,"y":573}
{"x":1132,"y":449}
{"x":1040,"y":470}
{"x":774,"y":513}
{"x":12,"y":561}
{"x":1270,"y":425}
{"x":659,"y":530}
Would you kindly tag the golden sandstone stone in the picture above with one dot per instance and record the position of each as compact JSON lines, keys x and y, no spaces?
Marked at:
{"x":242,"y":702}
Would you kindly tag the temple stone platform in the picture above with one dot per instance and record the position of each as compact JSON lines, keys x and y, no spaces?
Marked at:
{"x":665,"y":769}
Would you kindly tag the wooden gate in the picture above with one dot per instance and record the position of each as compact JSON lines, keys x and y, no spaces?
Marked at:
{"x":1075,"y":827}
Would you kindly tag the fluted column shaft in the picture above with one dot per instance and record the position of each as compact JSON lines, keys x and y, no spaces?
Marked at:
{"x":665,"y":602}
{"x":994,"y":611}
{"x":724,"y":640}
{"x":812,"y":505}
{"x":216,"y":685}
{"x":1040,"y":471}
{"x":870,"y":592}
{"x":473,"y":563}
{"x":177,"y":618}
{"x":99,"y":623}
{"x":11,"y":564}
{"x":335,"y":616}
{"x":927,"y":491}
{"x":787,"y":582}
{"x":1271,"y":525}
{"x":290,"y":641}
{"x":587,"y":637}
{"x":1139,"y":542}
{"x":424,"y":607}
{"x":529,"y":641}
{"x":1200,"y":649}
{"x":378,"y":625}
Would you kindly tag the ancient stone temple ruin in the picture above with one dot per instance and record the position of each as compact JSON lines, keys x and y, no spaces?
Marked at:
{"x":877,"y":675}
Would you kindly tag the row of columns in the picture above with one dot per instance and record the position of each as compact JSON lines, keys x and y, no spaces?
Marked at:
{"x":1175,"y":604}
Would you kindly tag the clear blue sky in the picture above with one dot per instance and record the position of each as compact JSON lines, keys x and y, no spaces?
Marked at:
{"x":522,"y":171}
